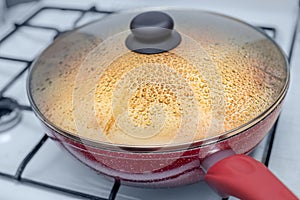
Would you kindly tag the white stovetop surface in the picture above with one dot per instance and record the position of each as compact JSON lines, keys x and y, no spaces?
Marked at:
{"x":277,"y":14}
{"x":55,"y":167}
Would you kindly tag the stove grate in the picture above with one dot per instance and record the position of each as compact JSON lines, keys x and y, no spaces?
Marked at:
{"x":31,"y":154}
{"x":18,"y":176}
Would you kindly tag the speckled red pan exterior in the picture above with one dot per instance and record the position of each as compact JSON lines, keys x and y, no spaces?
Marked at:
{"x":166,"y":169}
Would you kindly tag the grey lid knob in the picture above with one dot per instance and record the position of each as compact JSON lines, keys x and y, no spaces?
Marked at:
{"x":152,"y":32}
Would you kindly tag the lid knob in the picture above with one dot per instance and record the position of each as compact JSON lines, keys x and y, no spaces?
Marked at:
{"x":152,"y":32}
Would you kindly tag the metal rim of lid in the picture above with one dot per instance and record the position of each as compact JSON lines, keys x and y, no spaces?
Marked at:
{"x":175,"y":148}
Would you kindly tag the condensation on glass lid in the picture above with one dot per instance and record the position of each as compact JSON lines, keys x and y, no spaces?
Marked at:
{"x":207,"y":85}
{"x":167,"y":98}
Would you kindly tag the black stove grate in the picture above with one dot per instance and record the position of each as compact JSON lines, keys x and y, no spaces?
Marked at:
{"x":26,"y":160}
{"x":31,"y":154}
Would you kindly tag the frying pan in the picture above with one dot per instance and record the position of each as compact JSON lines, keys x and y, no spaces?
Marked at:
{"x":165,"y":98}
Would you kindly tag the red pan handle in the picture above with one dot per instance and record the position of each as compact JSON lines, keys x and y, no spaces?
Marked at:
{"x":245,"y":178}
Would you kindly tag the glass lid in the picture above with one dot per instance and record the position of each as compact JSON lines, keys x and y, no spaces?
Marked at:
{"x":158,"y":78}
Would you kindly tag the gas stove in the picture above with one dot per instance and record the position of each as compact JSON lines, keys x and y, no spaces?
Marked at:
{"x":34,"y":167}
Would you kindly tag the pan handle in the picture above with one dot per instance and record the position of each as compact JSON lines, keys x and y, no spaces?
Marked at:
{"x":245,"y":178}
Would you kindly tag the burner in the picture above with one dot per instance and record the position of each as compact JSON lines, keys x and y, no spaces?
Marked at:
{"x":10,"y":114}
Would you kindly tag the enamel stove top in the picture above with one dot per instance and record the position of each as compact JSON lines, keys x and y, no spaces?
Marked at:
{"x":34,"y":167}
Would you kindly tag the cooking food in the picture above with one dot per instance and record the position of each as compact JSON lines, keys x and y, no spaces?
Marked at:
{"x":173,"y":97}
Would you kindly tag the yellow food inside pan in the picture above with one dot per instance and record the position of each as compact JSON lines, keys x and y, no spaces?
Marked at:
{"x":162,"y":98}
